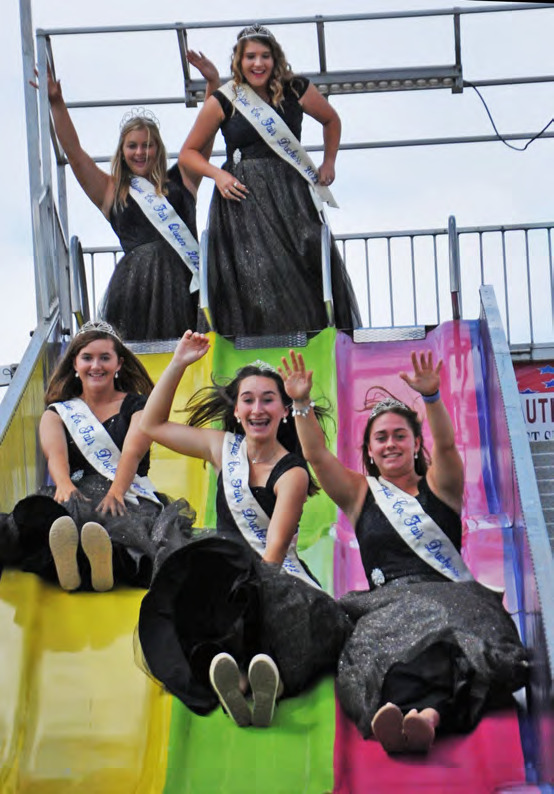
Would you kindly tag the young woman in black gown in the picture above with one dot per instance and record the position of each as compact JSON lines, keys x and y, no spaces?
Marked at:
{"x":431,"y":648}
{"x":264,"y":255}
{"x":236,"y":607}
{"x":90,"y":529}
{"x":149,"y":295}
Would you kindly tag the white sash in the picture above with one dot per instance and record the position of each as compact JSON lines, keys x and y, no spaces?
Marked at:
{"x":276,"y":133}
{"x":250,"y":518}
{"x":419,"y":531}
{"x":98,"y":447}
{"x":164,"y":218}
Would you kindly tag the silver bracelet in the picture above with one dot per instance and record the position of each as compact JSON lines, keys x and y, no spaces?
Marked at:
{"x":304,"y":411}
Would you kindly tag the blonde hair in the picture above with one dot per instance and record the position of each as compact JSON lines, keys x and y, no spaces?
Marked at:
{"x":282,"y":72}
{"x":120,"y":170}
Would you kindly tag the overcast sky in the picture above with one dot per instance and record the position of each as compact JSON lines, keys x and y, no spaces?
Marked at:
{"x":411,"y":188}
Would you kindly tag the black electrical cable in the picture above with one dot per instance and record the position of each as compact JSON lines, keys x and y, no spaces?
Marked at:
{"x":504,"y":141}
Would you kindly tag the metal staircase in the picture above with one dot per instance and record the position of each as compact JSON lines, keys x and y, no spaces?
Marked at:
{"x":543,"y":460}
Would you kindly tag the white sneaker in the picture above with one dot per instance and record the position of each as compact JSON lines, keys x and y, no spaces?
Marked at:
{"x":265,"y":684}
{"x":225,"y":679}
{"x":97,"y":546}
{"x":64,"y":540}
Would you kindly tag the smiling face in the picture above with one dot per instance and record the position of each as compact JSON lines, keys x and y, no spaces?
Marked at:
{"x":257,"y":64}
{"x":139,"y":151}
{"x":259,"y":407}
{"x":392,"y":444}
{"x":96,"y":364}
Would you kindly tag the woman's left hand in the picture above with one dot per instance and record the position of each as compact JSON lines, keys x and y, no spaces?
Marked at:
{"x":426,"y":378}
{"x":115,"y":505}
{"x":326,"y":174}
{"x":296,"y":378}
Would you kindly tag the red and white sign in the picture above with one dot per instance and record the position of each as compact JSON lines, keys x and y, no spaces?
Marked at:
{"x":536,"y":388}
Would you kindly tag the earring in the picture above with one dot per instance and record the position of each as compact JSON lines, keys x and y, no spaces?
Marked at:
{"x":116,"y":375}
{"x":284,"y":420}
{"x":371,"y":460}
{"x":238,"y":420}
{"x":76,"y":374}
{"x":415,"y":455}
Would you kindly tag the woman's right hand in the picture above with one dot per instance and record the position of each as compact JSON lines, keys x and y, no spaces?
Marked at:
{"x":54,"y":87}
{"x":191,"y":347}
{"x":297,"y":379}
{"x":229,"y":186}
{"x":66,"y":491}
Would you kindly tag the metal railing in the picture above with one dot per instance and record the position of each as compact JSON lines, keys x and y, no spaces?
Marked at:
{"x":409,"y":278}
{"x":426,"y":276}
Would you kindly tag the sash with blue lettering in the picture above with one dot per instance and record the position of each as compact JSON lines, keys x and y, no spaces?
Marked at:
{"x":165,"y":220}
{"x":98,"y":447}
{"x":276,"y":133}
{"x":419,"y":531}
{"x":249,"y":516}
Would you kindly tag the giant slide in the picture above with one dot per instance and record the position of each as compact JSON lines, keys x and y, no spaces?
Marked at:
{"x":78,"y":717}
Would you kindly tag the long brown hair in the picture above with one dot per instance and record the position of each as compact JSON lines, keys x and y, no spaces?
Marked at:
{"x":217,"y":403}
{"x":120,"y":170}
{"x":282,"y":72}
{"x":63,"y":384}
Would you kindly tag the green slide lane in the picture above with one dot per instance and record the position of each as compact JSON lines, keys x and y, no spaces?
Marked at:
{"x":208,"y":755}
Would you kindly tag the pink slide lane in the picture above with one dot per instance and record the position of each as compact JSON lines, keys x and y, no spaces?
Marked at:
{"x":490,"y":759}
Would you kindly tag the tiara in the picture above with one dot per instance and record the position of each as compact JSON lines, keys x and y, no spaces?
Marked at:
{"x":263,"y":365}
{"x":138,"y":113}
{"x":98,"y":325}
{"x":255,"y":32}
{"x":388,"y":404}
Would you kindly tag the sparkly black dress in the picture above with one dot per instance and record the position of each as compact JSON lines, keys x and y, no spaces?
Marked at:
{"x":265,"y":252}
{"x":421,"y":640}
{"x":141,"y":539}
{"x":215,"y":594}
{"x":148,"y":295}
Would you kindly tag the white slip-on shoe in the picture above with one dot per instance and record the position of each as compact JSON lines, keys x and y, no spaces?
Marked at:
{"x":263,"y":676}
{"x":63,"y":540}
{"x":225,"y":679}
{"x":97,"y":546}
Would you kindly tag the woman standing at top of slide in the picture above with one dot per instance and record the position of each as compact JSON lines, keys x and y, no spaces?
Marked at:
{"x":153,"y":293}
{"x":264,"y":259}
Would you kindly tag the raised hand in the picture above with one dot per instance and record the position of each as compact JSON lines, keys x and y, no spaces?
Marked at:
{"x":297,"y":379}
{"x":207,"y":69}
{"x":426,"y":378}
{"x":54,"y":87}
{"x":190,"y":348}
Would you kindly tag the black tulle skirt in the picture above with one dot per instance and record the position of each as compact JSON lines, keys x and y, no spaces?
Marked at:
{"x":216,"y":595}
{"x":427,"y":643}
{"x":265,"y":257}
{"x":148,"y":295}
{"x":141,"y":539}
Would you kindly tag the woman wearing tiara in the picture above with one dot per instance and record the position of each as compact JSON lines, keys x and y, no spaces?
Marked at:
{"x":102,"y":520}
{"x":236,"y":608}
{"x":265,"y":221}
{"x":431,"y":647}
{"x":153,"y":293}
